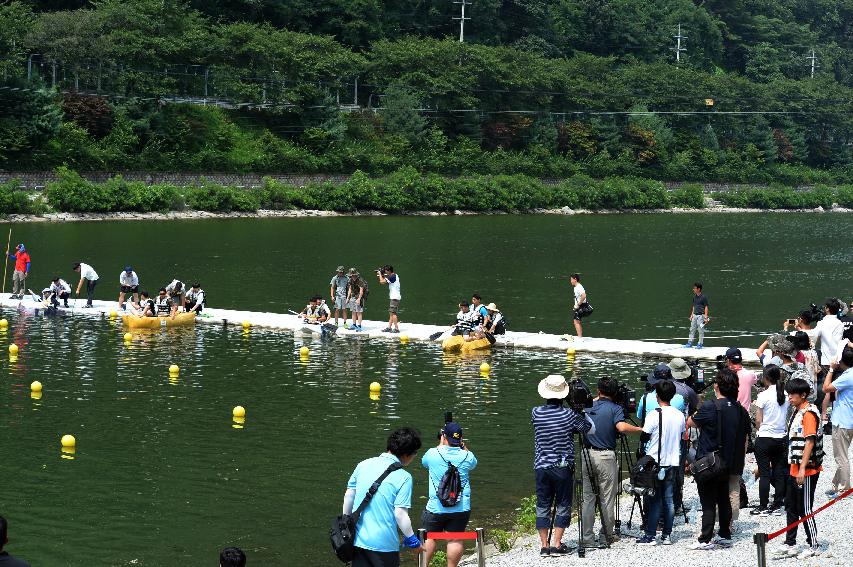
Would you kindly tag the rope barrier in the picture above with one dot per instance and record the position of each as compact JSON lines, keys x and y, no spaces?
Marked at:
{"x":760,"y":539}
{"x":477,"y":535}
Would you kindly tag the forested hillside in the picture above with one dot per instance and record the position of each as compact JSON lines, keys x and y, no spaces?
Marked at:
{"x":762,"y":90}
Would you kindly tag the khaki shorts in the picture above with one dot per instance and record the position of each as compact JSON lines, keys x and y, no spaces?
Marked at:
{"x":394,"y":306}
{"x":356,"y":307}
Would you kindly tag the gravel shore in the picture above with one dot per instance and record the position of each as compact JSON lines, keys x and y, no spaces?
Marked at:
{"x":835,"y":526}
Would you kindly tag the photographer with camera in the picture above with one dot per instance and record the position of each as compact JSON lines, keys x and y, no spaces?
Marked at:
{"x":649,"y":402}
{"x":680,"y":372}
{"x":600,"y":464}
{"x":554,"y":456}
{"x":665,"y":428}
{"x":449,"y":505}
{"x":387,"y":277}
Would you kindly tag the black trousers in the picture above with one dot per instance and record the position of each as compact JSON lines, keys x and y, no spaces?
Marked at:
{"x":771,"y":455}
{"x":716,"y":505}
{"x":798,"y":503}
{"x":90,"y":291}
{"x":366,"y":558}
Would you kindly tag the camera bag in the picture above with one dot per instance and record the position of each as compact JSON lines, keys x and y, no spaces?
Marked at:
{"x":584,"y":309}
{"x":644,"y":473}
{"x":712,"y":466}
{"x":342,"y":533}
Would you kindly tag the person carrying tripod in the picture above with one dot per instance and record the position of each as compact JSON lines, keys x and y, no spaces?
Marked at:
{"x":600,"y":465}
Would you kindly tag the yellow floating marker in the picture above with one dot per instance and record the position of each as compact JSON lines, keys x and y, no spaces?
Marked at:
{"x":4,"y":323}
{"x":485,"y":368}
{"x":13,"y":349}
{"x":113,"y":314}
{"x":570,"y":351}
{"x":238,"y":411}
{"x":35,"y":395}
{"x":35,"y":386}
{"x":238,"y":422}
{"x":128,"y":337}
{"x":374,"y":396}
{"x":404,"y":338}
{"x":68,"y":441}
{"x":375,"y":387}
{"x":174,"y":369}
{"x":304,"y":351}
{"x":247,"y":325}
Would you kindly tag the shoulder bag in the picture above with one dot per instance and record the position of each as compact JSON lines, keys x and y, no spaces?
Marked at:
{"x":342,"y":533}
{"x":644,"y":473}
{"x":712,"y":466}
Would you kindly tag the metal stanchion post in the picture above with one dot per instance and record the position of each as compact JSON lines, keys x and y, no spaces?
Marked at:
{"x":760,"y":540}
{"x":481,"y":552}
{"x":422,"y":556}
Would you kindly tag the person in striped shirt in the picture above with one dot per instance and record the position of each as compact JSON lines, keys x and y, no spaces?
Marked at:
{"x":553,"y":462}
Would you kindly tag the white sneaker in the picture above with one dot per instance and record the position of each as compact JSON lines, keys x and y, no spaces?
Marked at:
{"x":808,"y":552}
{"x":700,"y":546}
{"x":666,"y":540}
{"x":785,"y":551}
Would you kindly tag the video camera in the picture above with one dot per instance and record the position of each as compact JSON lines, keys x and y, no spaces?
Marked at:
{"x":817,"y":313}
{"x":580,"y":396}
{"x":448,"y":417}
{"x":627,"y":398}
{"x":696,"y":380}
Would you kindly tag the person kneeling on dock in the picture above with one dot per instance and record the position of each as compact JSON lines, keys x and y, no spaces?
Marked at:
{"x":146,"y":306}
{"x":58,"y":289}
{"x":195,"y":300}
{"x":316,"y":312}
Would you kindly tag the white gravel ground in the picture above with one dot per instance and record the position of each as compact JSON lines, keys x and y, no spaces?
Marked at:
{"x":835,"y":534}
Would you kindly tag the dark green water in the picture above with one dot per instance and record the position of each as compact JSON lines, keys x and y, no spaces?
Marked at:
{"x":160,"y":476}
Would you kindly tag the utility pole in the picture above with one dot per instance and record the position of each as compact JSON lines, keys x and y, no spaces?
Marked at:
{"x":678,"y":49}
{"x":462,"y":19}
{"x":814,"y":65}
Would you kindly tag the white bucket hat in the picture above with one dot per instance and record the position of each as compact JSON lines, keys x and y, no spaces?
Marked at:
{"x":553,"y":387}
{"x":679,"y":369}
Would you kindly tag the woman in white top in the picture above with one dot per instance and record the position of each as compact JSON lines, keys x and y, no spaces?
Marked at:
{"x":771,"y":445}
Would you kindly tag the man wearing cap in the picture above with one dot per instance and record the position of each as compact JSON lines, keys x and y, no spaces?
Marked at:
{"x":681,"y":371}
{"x":338,"y":294}
{"x":437,"y":517}
{"x":746,"y":378}
{"x":128,"y":283}
{"x":22,"y":270}
{"x":356,"y":290}
{"x":553,"y":462}
{"x":649,"y":402}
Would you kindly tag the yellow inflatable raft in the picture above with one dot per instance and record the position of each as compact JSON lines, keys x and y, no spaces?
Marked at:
{"x":180,"y":320}
{"x":457,"y":343}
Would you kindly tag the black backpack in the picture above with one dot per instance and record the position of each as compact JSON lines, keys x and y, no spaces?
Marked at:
{"x":644,"y":473}
{"x":449,"y":489}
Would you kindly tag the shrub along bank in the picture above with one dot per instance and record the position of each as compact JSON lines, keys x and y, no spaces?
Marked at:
{"x":404,"y":190}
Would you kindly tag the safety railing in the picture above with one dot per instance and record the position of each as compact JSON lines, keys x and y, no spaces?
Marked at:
{"x":762,"y":539}
{"x":477,"y":535}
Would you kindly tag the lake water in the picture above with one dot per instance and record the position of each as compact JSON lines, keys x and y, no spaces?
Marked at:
{"x":161,"y":476}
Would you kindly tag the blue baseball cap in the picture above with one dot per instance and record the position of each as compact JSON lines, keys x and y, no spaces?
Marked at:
{"x":128,"y":269}
{"x":453,"y":432}
{"x":21,"y":247}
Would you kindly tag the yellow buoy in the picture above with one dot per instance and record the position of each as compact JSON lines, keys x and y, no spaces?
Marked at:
{"x":35,"y":386}
{"x":68,"y":441}
{"x":238,"y":411}
{"x":113,"y":314}
{"x":485,"y":368}
{"x":404,"y":338}
{"x":570,"y":351}
{"x":247,"y":324}
{"x":174,"y":369}
{"x":13,"y":349}
{"x":304,"y":351}
{"x":374,"y":396}
{"x":4,"y":323}
{"x":35,"y":395}
{"x":128,"y":337}
{"x":375,"y":387}
{"x":238,"y":422}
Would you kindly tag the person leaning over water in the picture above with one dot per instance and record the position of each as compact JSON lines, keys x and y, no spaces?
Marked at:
{"x":554,"y":461}
{"x":338,"y":294}
{"x":128,"y":283}
{"x":89,"y":274}
{"x":603,"y":464}
{"x":195,"y":299}
{"x":376,"y":540}
{"x":438,"y":517}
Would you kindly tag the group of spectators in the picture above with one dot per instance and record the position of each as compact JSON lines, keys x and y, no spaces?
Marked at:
{"x":348,"y":290}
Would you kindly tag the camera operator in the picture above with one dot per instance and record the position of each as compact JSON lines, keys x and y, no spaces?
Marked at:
{"x":437,"y":517}
{"x":602,"y":465}
{"x":553,"y":463}
{"x":681,"y":371}
{"x":387,"y":277}
{"x":649,"y":402}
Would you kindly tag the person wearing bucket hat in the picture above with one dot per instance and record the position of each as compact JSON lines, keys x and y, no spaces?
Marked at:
{"x":681,"y":371}
{"x":649,"y":402}
{"x":356,"y":293}
{"x":22,"y":270}
{"x":497,"y":323}
{"x":553,"y":462}
{"x":338,"y":293}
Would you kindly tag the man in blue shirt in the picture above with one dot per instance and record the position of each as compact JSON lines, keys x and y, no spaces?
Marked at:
{"x":839,"y":379}
{"x":376,"y":540}
{"x":554,"y":461}
{"x":649,"y":402}
{"x":438,"y":517}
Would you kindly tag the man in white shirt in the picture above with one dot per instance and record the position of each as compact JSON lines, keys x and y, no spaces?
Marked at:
{"x":580,"y":300}
{"x":829,"y":332}
{"x":89,"y":274}
{"x":387,"y":277}
{"x":665,"y":428}
{"x":129,"y":283}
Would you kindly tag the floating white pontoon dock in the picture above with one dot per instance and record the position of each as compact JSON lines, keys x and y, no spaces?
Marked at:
{"x":414,"y":331}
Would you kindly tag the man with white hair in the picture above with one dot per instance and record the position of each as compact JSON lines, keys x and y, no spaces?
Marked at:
{"x":554,"y":461}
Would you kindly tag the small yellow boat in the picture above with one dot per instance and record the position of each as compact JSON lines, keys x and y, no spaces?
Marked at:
{"x":180,"y":320}
{"x":457,"y":343}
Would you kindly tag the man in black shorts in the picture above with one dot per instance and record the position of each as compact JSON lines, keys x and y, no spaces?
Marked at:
{"x":129,"y":283}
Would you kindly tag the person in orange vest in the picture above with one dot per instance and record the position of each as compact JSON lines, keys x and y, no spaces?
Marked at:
{"x":22,"y":270}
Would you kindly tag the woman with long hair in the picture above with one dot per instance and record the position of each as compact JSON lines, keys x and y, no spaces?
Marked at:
{"x":771,"y":444}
